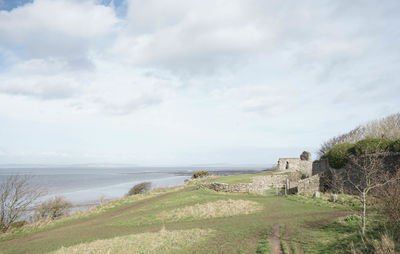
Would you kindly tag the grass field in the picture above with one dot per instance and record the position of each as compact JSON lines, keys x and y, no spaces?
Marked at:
{"x":190,"y":220}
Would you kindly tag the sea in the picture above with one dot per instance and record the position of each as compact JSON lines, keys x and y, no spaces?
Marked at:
{"x":84,"y":186}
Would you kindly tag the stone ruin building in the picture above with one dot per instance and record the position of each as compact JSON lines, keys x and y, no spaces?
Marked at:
{"x":304,"y":164}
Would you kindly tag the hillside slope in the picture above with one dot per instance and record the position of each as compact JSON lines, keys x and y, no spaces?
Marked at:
{"x":188,"y":220}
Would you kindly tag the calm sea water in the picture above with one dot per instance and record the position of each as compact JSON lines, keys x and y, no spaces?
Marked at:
{"x":83,"y":186}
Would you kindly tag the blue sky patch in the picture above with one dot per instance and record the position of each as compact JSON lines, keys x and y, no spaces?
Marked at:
{"x":8,"y":5}
{"x":119,"y":5}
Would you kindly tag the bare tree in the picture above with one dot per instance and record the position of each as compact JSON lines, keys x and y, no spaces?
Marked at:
{"x":387,"y":127}
{"x":364,"y":174}
{"x":17,"y":194}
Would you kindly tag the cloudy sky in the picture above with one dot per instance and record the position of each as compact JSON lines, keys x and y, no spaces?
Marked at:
{"x":178,"y":82}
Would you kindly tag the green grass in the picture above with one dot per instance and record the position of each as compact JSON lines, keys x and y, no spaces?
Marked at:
{"x":263,"y":246}
{"x":308,"y":225}
{"x":285,"y":247}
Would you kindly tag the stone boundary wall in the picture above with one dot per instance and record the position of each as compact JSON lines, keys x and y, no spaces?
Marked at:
{"x":224,"y":187}
{"x":269,"y":182}
{"x":259,"y":184}
{"x":308,"y":185}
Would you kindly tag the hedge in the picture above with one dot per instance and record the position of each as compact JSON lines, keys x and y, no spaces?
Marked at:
{"x":395,"y":146}
{"x":339,"y":155}
{"x":372,"y":145}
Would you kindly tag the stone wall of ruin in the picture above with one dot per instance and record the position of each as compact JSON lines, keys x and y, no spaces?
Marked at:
{"x":295,"y":164}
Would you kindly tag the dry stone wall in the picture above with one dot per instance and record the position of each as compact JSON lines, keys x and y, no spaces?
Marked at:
{"x":224,"y":187}
{"x":258,"y":185}
{"x":308,"y":185}
{"x":262,"y":183}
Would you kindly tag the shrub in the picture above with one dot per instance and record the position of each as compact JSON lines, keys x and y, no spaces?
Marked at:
{"x":200,"y":174}
{"x":18,"y":224}
{"x":352,"y":218}
{"x":395,"y":146}
{"x":339,"y":155}
{"x":385,"y":246}
{"x":372,"y":145}
{"x":389,"y":202}
{"x":140,"y":188}
{"x":53,"y":208}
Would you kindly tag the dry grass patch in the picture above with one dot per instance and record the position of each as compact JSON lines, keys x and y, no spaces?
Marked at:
{"x":159,"y":242}
{"x":220,"y":208}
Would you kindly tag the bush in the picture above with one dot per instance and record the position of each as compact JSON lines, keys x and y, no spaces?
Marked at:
{"x":389,"y":202}
{"x":200,"y":174}
{"x":395,"y":146}
{"x":140,"y":188}
{"x":18,"y":224}
{"x":372,"y":145}
{"x":339,"y":155}
{"x":53,"y":208}
{"x":352,"y":218}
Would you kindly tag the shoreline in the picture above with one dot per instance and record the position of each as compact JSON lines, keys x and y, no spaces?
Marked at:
{"x":86,"y":198}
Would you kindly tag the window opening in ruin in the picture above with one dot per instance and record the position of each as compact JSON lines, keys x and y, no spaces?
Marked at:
{"x":287,"y":165}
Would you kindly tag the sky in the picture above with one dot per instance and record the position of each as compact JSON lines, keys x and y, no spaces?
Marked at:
{"x":182,"y":82}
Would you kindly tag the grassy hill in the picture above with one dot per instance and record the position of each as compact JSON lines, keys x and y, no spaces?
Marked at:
{"x":191,"y":220}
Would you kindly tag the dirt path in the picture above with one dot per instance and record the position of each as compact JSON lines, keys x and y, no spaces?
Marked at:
{"x":275,"y":240}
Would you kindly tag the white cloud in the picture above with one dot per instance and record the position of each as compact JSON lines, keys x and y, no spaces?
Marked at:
{"x":202,"y":37}
{"x":263,"y":99}
{"x":40,"y":66}
{"x":53,"y":87}
{"x":181,"y":35}
{"x":202,"y":76}
{"x":66,"y":29}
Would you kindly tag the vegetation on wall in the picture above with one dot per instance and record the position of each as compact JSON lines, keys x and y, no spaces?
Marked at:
{"x":339,"y":155}
{"x":395,"y":146}
{"x":371,"y":146}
